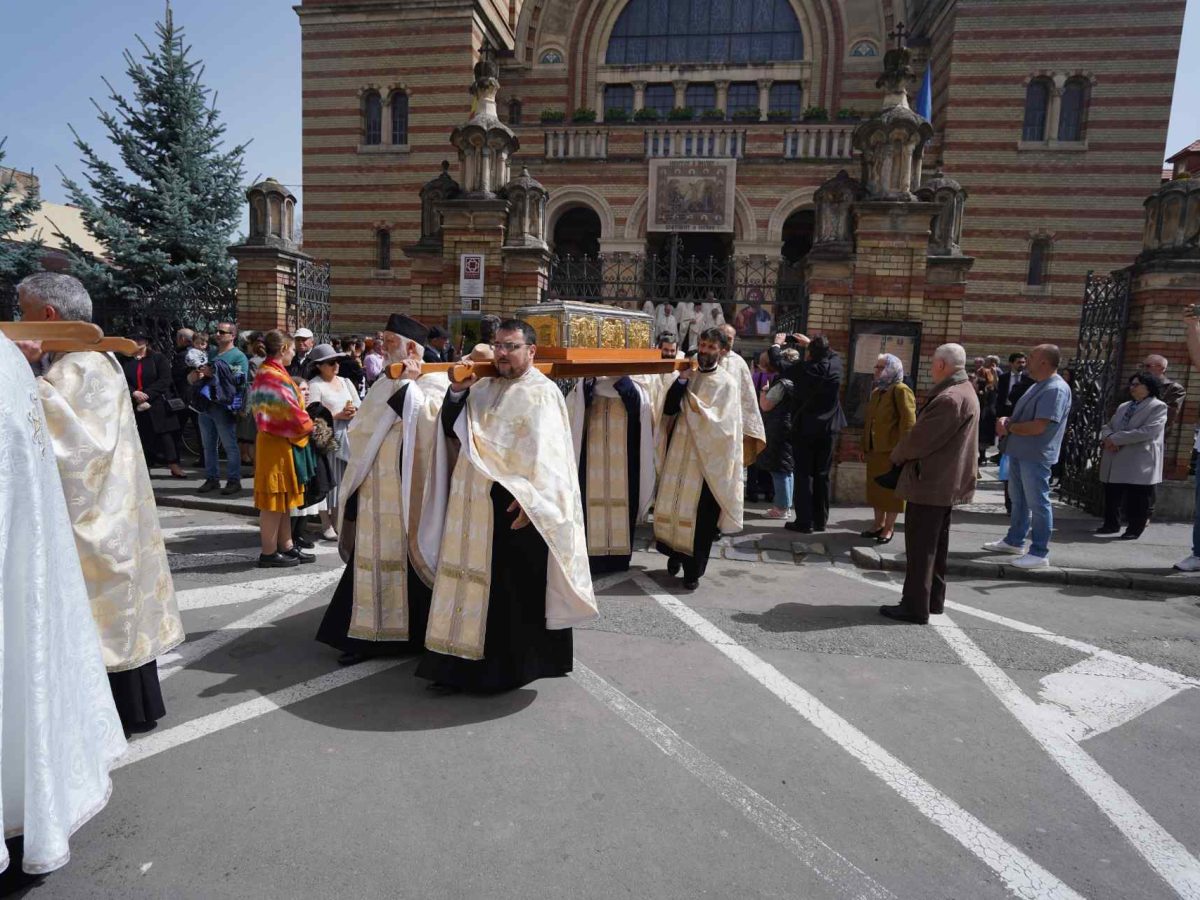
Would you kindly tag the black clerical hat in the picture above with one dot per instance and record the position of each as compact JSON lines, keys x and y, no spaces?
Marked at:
{"x":408,"y":328}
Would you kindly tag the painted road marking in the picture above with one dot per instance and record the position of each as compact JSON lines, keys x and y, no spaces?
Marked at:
{"x":185,"y":654}
{"x":1023,"y":877}
{"x":1166,"y":855}
{"x":228,"y":594}
{"x":160,"y":741}
{"x":837,"y":871}
{"x":182,"y":531}
{"x":1099,"y":696}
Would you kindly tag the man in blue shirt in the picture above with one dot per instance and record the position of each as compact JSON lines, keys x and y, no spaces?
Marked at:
{"x":1034,"y":434}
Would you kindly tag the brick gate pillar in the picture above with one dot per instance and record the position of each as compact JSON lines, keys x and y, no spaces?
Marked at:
{"x":267,"y":260}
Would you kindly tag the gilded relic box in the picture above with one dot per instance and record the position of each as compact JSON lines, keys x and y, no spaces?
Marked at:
{"x":568,"y":323}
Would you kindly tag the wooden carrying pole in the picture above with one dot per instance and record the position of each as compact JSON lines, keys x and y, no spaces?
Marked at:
{"x":555,"y":362}
{"x":68,"y":337}
{"x":124,"y":346}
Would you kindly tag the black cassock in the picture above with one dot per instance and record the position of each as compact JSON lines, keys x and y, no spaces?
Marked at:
{"x":335,"y":626}
{"x":632,"y":402}
{"x":708,"y":511}
{"x":518,"y":648}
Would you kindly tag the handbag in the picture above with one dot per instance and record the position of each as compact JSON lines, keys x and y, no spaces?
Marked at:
{"x":889,"y":479}
{"x":176,"y":405}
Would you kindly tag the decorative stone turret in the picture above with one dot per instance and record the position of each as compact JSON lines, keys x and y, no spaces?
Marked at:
{"x":272,"y":215}
{"x":950,"y":198}
{"x":433,"y":192}
{"x":834,"y":200}
{"x":484,"y":143}
{"x":1173,"y":221}
{"x":892,"y":141}
{"x":526,"y":212}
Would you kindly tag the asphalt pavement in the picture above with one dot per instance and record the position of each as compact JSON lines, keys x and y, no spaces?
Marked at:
{"x":768,"y":735}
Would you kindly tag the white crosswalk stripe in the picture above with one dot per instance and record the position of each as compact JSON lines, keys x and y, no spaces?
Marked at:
{"x":306,"y":579}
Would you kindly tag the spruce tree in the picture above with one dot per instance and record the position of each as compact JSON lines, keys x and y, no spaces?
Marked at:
{"x":167,"y":213}
{"x":16,"y":214}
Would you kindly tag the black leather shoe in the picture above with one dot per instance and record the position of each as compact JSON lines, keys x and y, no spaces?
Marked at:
{"x":299,"y":555}
{"x":796,"y":526}
{"x":208,"y":487}
{"x":231,"y":488}
{"x":900,"y":614}
{"x":1130,"y":536}
{"x":301,"y":541}
{"x":1103,"y":530}
{"x":871,"y":534}
{"x":277,"y":561}
{"x":881,"y":540}
{"x":349,"y":658}
{"x":691,"y":583}
{"x":674,"y":565}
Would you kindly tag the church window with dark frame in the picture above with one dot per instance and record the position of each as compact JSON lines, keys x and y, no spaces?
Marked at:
{"x":742,"y":95}
{"x":383,"y":249}
{"x":618,"y":96}
{"x":1037,"y":105}
{"x":650,"y":32}
{"x":660,"y":98}
{"x":399,"y":106}
{"x":786,"y":98}
{"x":1071,"y":108}
{"x":700,"y":97}
{"x":514,"y":112}
{"x":1039,"y":260}
{"x":372,"y":118}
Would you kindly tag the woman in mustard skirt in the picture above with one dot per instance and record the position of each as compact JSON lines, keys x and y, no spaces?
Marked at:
{"x":891,"y":412}
{"x":283,"y":429}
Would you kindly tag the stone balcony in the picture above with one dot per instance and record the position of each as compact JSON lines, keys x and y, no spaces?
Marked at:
{"x":801,"y":141}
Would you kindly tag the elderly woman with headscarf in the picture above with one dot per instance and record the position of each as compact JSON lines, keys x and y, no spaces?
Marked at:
{"x":891,"y":412}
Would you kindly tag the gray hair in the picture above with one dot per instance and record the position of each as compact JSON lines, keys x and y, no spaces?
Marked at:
{"x":789,"y":355}
{"x":185,"y":333}
{"x":1157,"y":360}
{"x":953,"y":355}
{"x":993,"y":359}
{"x":64,"y":293}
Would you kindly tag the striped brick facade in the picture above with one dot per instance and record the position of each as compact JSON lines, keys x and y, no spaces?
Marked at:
{"x":982,"y":52}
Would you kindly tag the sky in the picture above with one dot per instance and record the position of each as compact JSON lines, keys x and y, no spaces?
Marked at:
{"x":56,"y":53}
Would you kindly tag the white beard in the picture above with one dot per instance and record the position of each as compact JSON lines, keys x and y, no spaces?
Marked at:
{"x":399,"y":356}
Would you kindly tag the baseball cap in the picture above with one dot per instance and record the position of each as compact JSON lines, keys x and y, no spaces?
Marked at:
{"x":302,"y":333}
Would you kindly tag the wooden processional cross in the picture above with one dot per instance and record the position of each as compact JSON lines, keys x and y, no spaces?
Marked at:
{"x":566,"y":362}
{"x":67,"y":337}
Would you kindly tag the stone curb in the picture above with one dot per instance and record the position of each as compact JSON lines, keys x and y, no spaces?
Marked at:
{"x":868,"y":558}
{"x":202,"y":505}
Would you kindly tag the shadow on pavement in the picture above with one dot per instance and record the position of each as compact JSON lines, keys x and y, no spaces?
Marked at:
{"x":802,"y":617}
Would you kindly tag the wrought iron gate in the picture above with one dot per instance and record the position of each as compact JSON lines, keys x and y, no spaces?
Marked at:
{"x":161,"y":311}
{"x":308,"y":299}
{"x":632,"y":279}
{"x":1097,"y":370}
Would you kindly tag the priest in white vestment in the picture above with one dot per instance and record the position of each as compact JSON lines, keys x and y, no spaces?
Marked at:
{"x":381,"y":604}
{"x":616,"y":463}
{"x":754,"y":433}
{"x":59,"y":733}
{"x":503,"y":529}
{"x":89,"y":417}
{"x":700,"y":486}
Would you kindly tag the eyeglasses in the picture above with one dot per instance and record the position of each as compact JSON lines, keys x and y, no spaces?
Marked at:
{"x":507,"y":346}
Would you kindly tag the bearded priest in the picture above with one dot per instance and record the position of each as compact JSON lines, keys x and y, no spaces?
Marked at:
{"x":60,"y":734}
{"x":89,"y":416}
{"x":503,"y":527}
{"x":381,"y":604}
{"x":700,"y":488}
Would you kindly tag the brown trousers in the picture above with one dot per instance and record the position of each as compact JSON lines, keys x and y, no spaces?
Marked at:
{"x":926,"y":544}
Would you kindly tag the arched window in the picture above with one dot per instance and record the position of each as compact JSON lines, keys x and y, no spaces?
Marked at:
{"x":551,"y":58}
{"x":697,"y":31}
{"x":1070,"y":116}
{"x":514,"y":112}
{"x":383,"y":249}
{"x":1039,"y":258}
{"x":864,"y":48}
{"x":1037,"y":102}
{"x":399,"y":118}
{"x":372,"y":118}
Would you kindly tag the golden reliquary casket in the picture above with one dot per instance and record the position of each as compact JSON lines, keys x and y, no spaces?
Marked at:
{"x":568,"y":323}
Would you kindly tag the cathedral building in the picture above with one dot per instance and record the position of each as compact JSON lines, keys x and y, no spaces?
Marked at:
{"x":682,"y":141}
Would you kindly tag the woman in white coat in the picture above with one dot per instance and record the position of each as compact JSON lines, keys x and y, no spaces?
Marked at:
{"x":1132,"y":460}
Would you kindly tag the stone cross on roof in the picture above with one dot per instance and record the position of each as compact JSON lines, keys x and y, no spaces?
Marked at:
{"x":899,"y":35}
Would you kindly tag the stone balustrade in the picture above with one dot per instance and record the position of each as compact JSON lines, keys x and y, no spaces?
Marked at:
{"x":576,"y":143}
{"x":686,"y":141}
{"x":819,"y":141}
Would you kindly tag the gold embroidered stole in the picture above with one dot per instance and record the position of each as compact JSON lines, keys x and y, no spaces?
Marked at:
{"x":381,"y":549}
{"x":608,"y":478}
{"x":427,"y":411}
{"x":679,"y":493}
{"x":458,"y":615}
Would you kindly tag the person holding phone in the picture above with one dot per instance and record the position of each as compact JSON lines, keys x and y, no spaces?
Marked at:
{"x":338,"y":395}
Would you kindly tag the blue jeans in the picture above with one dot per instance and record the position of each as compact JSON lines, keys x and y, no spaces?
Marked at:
{"x":1029,"y":490}
{"x":1196,"y":523}
{"x":219,"y":424}
{"x":783,"y":490}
